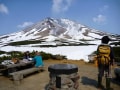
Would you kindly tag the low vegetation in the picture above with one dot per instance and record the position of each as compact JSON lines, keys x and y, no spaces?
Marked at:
{"x":20,"y":55}
{"x":115,"y":43}
{"x":116,"y":51}
{"x":63,"y":43}
{"x":24,"y":42}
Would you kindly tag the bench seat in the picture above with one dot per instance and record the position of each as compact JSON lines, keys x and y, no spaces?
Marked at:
{"x":19,"y":75}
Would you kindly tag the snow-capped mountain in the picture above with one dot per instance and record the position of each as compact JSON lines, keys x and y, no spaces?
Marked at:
{"x":56,"y":32}
{"x":49,"y":34}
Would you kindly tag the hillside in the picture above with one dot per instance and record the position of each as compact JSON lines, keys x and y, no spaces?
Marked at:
{"x":56,"y":32}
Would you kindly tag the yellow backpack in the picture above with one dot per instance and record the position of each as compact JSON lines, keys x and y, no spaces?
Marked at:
{"x":103,"y":54}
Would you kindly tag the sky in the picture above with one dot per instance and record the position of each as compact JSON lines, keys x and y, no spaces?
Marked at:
{"x":103,"y":15}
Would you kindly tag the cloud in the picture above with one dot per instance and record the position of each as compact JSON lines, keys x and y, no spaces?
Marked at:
{"x":3,"y":9}
{"x":61,"y":5}
{"x":25,"y":24}
{"x":101,"y":19}
{"x":104,"y":8}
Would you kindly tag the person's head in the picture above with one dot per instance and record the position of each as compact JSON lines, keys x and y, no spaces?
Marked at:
{"x":38,"y":53}
{"x":27,"y":53}
{"x":105,"y":39}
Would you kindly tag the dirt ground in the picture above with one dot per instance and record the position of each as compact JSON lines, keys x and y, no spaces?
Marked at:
{"x":39,"y":81}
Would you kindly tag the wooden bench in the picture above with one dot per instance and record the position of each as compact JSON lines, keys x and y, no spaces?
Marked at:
{"x":19,"y":75}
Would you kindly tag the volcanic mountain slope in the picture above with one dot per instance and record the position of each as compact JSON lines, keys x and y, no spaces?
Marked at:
{"x":57,"y":31}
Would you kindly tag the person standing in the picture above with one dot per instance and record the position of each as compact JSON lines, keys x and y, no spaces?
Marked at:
{"x":38,"y":60}
{"x":105,"y":58}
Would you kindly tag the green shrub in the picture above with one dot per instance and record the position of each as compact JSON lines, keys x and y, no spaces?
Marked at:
{"x":115,"y":43}
{"x":116,"y":51}
{"x":24,"y":42}
{"x":46,"y":56}
{"x":2,"y":52}
{"x":20,"y":55}
{"x":59,"y":57}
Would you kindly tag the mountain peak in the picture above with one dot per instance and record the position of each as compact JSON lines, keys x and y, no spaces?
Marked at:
{"x":61,"y":29}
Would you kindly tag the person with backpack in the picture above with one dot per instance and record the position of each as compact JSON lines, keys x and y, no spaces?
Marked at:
{"x":105,"y":58}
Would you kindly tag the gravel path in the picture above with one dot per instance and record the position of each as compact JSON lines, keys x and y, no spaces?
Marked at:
{"x":39,"y":81}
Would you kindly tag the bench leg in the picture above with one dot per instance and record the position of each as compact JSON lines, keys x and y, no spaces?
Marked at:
{"x":16,"y":82}
{"x":17,"y":78}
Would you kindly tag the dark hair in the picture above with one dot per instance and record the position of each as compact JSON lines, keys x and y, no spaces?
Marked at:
{"x":105,"y":39}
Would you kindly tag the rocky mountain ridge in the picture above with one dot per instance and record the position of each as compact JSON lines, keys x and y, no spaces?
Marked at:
{"x":57,"y":31}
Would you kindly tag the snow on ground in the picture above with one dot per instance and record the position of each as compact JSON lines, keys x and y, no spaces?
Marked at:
{"x":71,"y":52}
